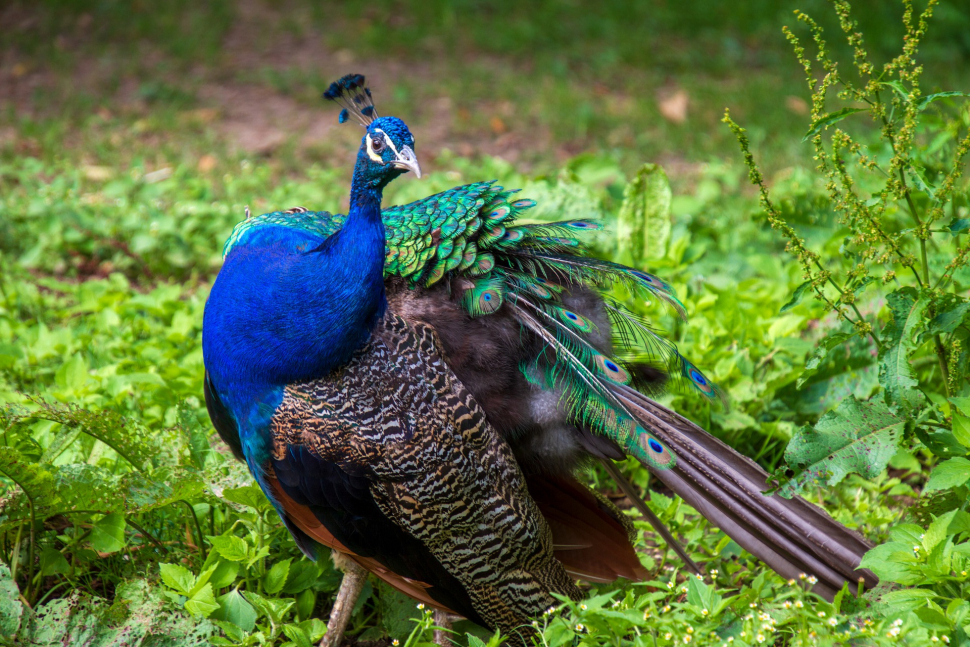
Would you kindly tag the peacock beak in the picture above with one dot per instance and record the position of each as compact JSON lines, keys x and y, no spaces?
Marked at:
{"x":407,"y":160}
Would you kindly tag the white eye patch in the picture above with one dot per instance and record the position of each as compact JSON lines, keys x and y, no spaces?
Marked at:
{"x":370,"y":149}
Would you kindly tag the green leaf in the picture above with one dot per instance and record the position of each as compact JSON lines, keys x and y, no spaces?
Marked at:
{"x":821,"y":352}
{"x":949,"y":474}
{"x":643,"y":223}
{"x":474,"y":641}
{"x":248,"y":495}
{"x":297,"y":635}
{"x":828,"y":120}
{"x":895,"y":562}
{"x":701,"y":595}
{"x":857,"y":437}
{"x":961,"y":428}
{"x":108,"y":533}
{"x":907,"y":600}
{"x":11,"y":609}
{"x":177,"y":577}
{"x":959,"y":225}
{"x":230,"y":547}
{"x":302,"y":575}
{"x":397,"y":611}
{"x":224,"y":574}
{"x":796,"y":297}
{"x":899,"y":341}
{"x":924,"y":102}
{"x":273,"y":609}
{"x":234,"y":608}
{"x":203,"y":603}
{"x":52,"y":562}
{"x":275,"y":578}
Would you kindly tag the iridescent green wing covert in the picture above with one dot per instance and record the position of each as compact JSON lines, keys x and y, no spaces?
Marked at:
{"x":470,"y":234}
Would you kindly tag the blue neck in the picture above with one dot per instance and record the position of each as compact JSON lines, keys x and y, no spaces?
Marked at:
{"x":293,"y":311}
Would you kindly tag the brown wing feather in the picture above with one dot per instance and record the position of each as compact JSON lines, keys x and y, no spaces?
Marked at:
{"x":590,"y":536}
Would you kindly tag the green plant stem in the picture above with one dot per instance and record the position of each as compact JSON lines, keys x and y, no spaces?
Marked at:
{"x":198,"y":529}
{"x":149,"y":535}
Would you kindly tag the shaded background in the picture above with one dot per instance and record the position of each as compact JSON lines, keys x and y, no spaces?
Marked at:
{"x":532,"y":82}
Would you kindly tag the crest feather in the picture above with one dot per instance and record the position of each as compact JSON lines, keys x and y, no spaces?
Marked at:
{"x":355,"y":98}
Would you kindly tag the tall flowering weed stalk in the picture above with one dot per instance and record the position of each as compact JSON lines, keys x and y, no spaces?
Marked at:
{"x":893,"y":270}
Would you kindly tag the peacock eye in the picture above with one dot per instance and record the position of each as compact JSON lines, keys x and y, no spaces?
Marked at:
{"x":378,"y":144}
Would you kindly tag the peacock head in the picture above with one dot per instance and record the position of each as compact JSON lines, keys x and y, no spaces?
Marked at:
{"x":387,"y":149}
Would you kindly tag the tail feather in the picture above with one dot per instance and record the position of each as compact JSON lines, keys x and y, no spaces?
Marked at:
{"x":792,"y":536}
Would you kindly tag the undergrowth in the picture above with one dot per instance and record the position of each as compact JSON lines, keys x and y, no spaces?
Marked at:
{"x":123,"y":520}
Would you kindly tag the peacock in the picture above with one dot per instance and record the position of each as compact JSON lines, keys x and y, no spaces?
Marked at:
{"x":416,"y":387}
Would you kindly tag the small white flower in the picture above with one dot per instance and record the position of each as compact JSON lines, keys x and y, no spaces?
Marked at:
{"x":670,"y":585}
{"x":753,"y":605}
{"x":787,"y":604}
{"x":714,"y":572}
{"x":704,"y":612}
{"x":934,"y":639}
{"x":668,"y":636}
{"x":580,"y":627}
{"x":802,"y":576}
{"x":791,"y":582}
{"x":395,"y":642}
{"x":687,"y":639}
{"x":583,"y":607}
{"x":833,"y":622}
{"x":690,"y":629}
{"x":666,"y":608}
{"x":915,"y":549}
{"x":897,"y":622}
{"x":683,"y":589}
{"x":535,"y":624}
{"x":699,"y":576}
{"x":798,"y":604}
{"x":946,"y":639}
{"x":821,"y":614}
{"x":420,"y":605}
{"x":812,"y":579}
{"x":760,"y":638}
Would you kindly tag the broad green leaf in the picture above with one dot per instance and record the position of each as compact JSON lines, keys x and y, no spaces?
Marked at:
{"x":224,"y":574}
{"x":276,"y":576}
{"x":949,"y":474}
{"x":297,"y":635}
{"x":11,"y":609}
{"x":895,"y":562}
{"x":643,"y":223}
{"x":202,"y":603}
{"x":857,"y":437}
{"x":108,"y":533}
{"x":247,"y":495}
{"x":230,"y":547}
{"x":306,"y":600}
{"x":397,"y":612}
{"x":961,"y":429}
{"x":828,"y":120}
{"x":907,"y":600}
{"x":302,"y":575}
{"x":53,"y":562}
{"x":234,"y":608}
{"x":273,"y":608}
{"x":938,"y":530}
{"x":949,"y":315}
{"x":899,"y":341}
{"x":177,"y":577}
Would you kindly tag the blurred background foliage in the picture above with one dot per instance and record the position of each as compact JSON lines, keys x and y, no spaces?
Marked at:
{"x":134,"y":134}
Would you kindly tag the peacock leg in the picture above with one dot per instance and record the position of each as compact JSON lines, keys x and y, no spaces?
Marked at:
{"x":442,"y":619}
{"x":343,"y":606}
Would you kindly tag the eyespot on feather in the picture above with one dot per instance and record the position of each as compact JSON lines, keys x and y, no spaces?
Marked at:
{"x":655,"y":450}
{"x":579,"y":322}
{"x":611,"y":369}
{"x":583,"y":225}
{"x":524,"y":204}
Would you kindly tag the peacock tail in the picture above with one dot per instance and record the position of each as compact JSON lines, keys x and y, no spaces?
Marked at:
{"x":470,"y":233}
